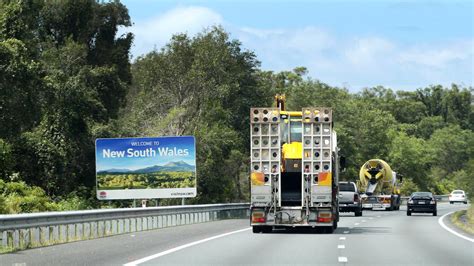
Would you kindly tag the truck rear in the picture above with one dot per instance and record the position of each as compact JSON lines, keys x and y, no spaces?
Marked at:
{"x":380,"y":186}
{"x":294,"y":168}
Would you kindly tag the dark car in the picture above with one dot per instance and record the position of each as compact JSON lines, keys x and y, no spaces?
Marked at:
{"x":422,"y":202}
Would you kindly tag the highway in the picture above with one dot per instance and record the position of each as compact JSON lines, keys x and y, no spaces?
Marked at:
{"x":376,"y":238}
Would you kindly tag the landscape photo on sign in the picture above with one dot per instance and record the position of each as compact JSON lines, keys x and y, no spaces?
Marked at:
{"x":145,"y":163}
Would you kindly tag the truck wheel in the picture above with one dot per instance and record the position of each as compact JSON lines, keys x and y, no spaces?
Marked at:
{"x":358,"y":212}
{"x":408,"y":213}
{"x":267,"y":229}
{"x":435,"y":213}
{"x":256,"y":229}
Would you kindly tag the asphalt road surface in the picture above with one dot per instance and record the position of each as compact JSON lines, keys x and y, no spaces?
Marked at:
{"x":376,"y":238}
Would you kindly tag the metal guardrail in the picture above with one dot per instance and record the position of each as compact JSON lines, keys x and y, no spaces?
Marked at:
{"x":439,"y":198}
{"x":41,"y":229}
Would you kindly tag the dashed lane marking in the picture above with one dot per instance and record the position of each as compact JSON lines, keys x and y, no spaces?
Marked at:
{"x":341,"y":246}
{"x":166,"y":252}
{"x":342,"y":259}
{"x":440,"y":221}
{"x":364,"y":221}
{"x":346,"y":232}
{"x":356,"y":223}
{"x":342,"y":238}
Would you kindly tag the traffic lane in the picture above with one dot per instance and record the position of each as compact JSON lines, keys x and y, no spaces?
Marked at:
{"x":415,"y":240}
{"x":117,"y":250}
{"x":247,"y":248}
{"x":288,"y":247}
{"x":376,"y":238}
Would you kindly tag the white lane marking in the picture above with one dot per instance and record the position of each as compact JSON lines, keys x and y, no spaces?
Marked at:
{"x":341,"y":246}
{"x":371,"y":218}
{"x":440,"y":221}
{"x":342,"y":259}
{"x":356,"y":223}
{"x":166,"y":252}
{"x":364,"y":221}
{"x":342,"y":238}
{"x":346,"y":232}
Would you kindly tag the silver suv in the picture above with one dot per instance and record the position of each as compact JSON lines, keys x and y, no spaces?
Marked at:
{"x":349,"y":198}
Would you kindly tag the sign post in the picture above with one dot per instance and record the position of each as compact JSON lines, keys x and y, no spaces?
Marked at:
{"x":146,"y":168}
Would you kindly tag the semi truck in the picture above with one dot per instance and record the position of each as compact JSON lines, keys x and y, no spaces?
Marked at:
{"x":294,"y":168}
{"x":380,"y":186}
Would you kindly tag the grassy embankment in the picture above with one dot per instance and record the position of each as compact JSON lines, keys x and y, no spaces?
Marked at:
{"x":464,"y":219}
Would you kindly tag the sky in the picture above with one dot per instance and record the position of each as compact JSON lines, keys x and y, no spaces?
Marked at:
{"x":404,"y":45}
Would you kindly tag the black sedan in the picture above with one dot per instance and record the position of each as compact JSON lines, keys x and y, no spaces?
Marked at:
{"x":422,"y":202}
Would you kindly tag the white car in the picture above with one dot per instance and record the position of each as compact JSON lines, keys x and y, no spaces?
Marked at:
{"x":457,"y":196}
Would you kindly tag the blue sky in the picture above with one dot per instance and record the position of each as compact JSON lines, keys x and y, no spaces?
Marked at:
{"x":354,"y":44}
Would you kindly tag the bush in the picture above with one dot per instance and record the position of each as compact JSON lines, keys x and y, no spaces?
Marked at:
{"x":18,"y":197}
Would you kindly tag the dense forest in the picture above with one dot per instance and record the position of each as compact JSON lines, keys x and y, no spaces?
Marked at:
{"x":67,"y":78}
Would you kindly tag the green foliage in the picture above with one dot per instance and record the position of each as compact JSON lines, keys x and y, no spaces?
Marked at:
{"x":64,"y":75}
{"x":18,"y":197}
{"x":150,"y":180}
{"x":408,"y":157}
{"x":408,"y":187}
{"x":66,"y":79}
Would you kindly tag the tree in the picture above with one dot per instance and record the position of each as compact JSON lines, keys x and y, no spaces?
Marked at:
{"x":203,"y":86}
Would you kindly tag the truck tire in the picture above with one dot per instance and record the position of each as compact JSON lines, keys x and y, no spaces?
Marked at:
{"x":266,"y":229}
{"x":408,"y":213}
{"x":435,"y":213}
{"x":358,"y":212}
{"x":256,"y":229}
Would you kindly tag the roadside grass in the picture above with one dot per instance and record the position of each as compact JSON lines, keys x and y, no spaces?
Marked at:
{"x":464,"y":220}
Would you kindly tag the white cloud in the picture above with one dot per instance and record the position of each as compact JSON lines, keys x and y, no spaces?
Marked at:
{"x":351,"y":61}
{"x":157,"y":31}
{"x":438,"y":57}
{"x":368,"y":52}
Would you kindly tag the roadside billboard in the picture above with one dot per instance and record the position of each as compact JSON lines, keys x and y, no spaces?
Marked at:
{"x":145,"y":168}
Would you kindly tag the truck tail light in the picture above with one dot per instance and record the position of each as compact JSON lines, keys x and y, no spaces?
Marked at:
{"x":258,"y":217}
{"x":324,"y":217}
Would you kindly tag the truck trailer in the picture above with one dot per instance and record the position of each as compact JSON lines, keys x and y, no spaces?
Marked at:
{"x":294,"y":168}
{"x":380,"y":186}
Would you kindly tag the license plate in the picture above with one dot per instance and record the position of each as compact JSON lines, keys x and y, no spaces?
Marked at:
{"x":342,"y":204}
{"x":377,"y":205}
{"x":421,"y":202}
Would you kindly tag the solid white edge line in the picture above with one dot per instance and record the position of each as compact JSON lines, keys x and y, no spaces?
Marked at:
{"x":166,"y":252}
{"x":440,"y":221}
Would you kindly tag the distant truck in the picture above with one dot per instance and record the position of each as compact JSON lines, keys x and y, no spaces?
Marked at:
{"x":294,"y":168}
{"x":349,"y":198}
{"x":379,"y":186}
